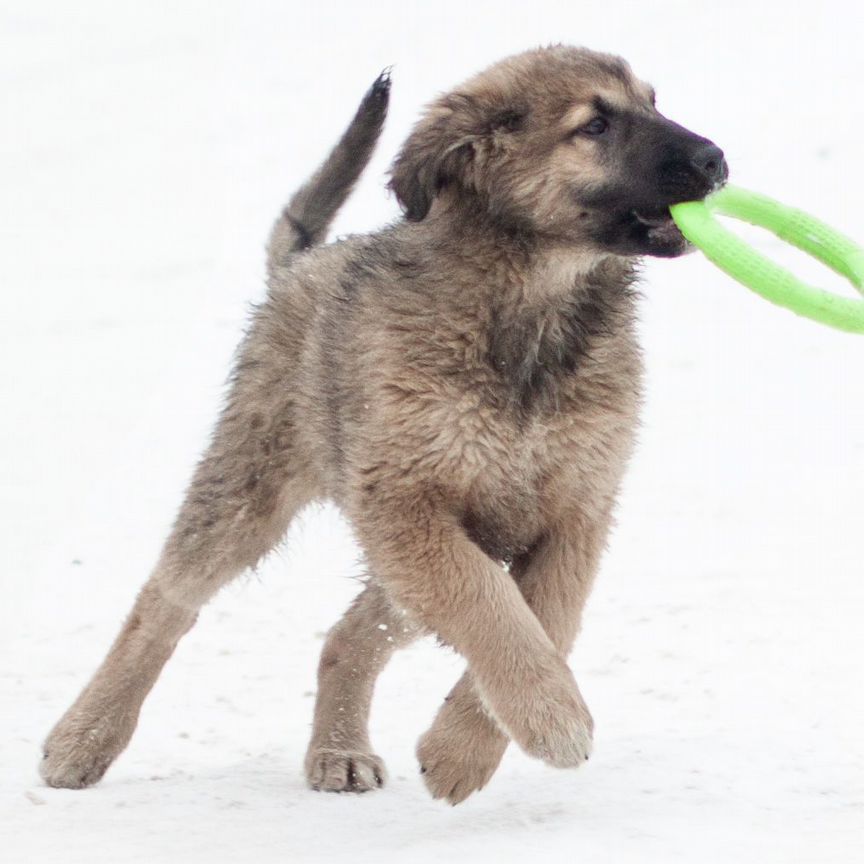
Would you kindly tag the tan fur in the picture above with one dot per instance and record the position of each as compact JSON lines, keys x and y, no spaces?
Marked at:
{"x":464,"y":385}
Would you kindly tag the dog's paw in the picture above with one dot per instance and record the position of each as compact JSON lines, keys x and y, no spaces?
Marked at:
{"x":559,"y":730}
{"x":561,"y":741}
{"x":332,"y":770}
{"x":80,"y":750}
{"x":456,"y":761}
{"x":550,"y":720}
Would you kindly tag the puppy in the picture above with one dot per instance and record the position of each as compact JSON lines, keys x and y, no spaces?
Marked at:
{"x":464,"y":385}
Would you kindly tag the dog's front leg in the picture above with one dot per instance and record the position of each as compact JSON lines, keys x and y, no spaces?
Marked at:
{"x":432,"y":570}
{"x":463,"y":748}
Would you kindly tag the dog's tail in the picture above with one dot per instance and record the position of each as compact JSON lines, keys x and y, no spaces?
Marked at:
{"x":305,"y":220}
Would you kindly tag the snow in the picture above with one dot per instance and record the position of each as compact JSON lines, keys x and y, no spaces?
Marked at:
{"x":145,"y":149}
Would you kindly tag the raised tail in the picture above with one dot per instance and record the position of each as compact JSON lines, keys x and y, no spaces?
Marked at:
{"x":305,"y":220}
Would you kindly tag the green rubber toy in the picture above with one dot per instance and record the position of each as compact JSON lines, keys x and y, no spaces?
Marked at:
{"x":730,"y":253}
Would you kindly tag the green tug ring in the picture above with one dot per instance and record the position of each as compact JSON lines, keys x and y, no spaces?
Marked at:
{"x":696,"y":221}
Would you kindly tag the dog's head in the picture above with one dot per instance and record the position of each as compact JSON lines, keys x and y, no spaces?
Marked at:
{"x":564,"y":143}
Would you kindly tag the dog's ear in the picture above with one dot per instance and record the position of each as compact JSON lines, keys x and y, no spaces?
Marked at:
{"x":454,"y":143}
{"x":440,"y":151}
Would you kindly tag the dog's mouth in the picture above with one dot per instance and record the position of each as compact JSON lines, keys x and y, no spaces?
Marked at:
{"x":643,"y":226}
{"x":658,"y":223}
{"x":657,"y":231}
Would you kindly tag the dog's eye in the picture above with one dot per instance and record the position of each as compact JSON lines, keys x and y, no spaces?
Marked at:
{"x":597,"y":126}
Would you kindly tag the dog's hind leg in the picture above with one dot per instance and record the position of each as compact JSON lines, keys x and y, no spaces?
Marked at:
{"x":238,"y":505}
{"x":245,"y":491}
{"x":340,"y":757}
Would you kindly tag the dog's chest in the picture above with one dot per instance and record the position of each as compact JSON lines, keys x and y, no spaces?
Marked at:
{"x":513,"y":475}
{"x":507,"y":493}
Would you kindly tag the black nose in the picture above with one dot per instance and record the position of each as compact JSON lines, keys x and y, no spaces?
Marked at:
{"x":709,"y":161}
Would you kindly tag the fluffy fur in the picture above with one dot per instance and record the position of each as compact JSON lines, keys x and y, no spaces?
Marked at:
{"x":464,"y":384}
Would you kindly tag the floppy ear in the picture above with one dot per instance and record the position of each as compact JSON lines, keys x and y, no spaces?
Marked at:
{"x":439,"y":152}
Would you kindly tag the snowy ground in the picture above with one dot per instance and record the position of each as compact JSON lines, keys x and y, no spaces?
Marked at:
{"x":144,"y":150}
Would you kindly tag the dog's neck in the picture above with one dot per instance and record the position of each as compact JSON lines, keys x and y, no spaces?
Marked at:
{"x":541,"y":307}
{"x":558,"y":270}
{"x":513,"y":259}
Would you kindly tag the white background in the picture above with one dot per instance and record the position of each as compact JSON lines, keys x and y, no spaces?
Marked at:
{"x":144,"y":151}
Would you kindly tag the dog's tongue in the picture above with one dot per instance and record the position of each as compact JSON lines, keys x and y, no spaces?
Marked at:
{"x":660,"y":224}
{"x":665,"y":231}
